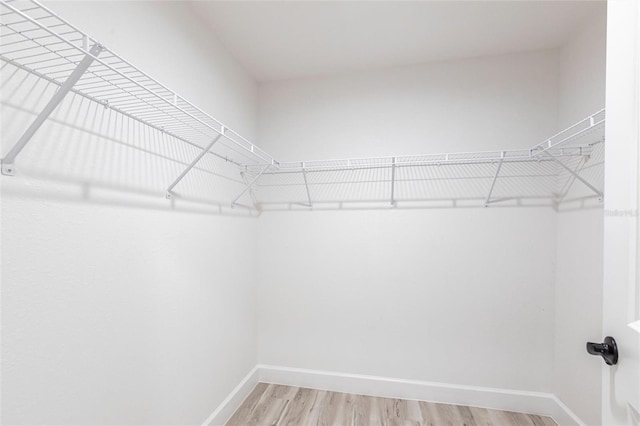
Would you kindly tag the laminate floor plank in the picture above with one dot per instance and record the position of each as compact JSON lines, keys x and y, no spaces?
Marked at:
{"x":510,"y":418}
{"x":482,"y":417}
{"x":300,"y":407}
{"x":268,"y":410}
{"x":264,"y":409}
{"x":538,"y":420}
{"x":361,"y":410}
{"x":376,"y":411}
{"x":413,"y":412}
{"x":431,"y":415}
{"x":465,"y":414}
{"x":449,"y":414}
{"x":279,"y":405}
{"x":330,"y":409}
{"x":500,"y":417}
{"x":249,"y":404}
{"x":394,"y":411}
{"x":316,"y":408}
{"x":243,"y":416}
{"x":520,"y":419}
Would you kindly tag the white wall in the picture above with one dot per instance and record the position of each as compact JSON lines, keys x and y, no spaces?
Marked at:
{"x":118,"y":306}
{"x":487,"y":103}
{"x":578,"y":297}
{"x":582,"y":70}
{"x":461,"y":296}
{"x":449,"y":296}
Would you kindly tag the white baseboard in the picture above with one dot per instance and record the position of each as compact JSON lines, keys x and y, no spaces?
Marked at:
{"x":564,"y":416}
{"x":231,"y":403}
{"x":540,"y":403}
{"x":545,"y":404}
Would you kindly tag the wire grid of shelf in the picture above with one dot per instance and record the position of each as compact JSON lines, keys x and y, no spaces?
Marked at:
{"x":576,"y":140}
{"x":36,"y":40}
{"x":537,"y":174}
{"x":474,"y":184}
{"x":576,"y":136}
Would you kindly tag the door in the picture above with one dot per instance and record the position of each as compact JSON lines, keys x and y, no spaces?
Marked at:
{"x":621,"y":288}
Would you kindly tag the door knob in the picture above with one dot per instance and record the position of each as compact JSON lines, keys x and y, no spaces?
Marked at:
{"x":608,"y":350}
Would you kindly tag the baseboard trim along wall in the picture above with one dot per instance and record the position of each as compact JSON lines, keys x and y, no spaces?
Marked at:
{"x":231,"y":403}
{"x":539,"y":403}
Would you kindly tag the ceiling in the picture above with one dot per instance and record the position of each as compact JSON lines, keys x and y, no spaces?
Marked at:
{"x":289,"y":39}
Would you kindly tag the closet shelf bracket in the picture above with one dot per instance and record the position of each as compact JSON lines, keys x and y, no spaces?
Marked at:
{"x":571,"y":180}
{"x":576,"y":175}
{"x":168,"y":193}
{"x":306,"y":185}
{"x":8,"y":162}
{"x":248,"y":187}
{"x":393,"y":182}
{"x":256,"y":204}
{"x":495,"y":178}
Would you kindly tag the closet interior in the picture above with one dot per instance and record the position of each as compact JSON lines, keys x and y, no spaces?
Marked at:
{"x":188,"y":216}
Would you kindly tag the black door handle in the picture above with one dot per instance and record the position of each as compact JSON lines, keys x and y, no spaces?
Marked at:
{"x":608,"y":350}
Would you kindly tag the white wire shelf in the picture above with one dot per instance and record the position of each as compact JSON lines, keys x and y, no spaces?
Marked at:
{"x":576,"y":140}
{"x":36,"y":40}
{"x":459,"y":158}
{"x":541,"y":174}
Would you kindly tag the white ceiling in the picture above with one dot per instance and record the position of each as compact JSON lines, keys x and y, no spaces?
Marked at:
{"x":284,"y":39}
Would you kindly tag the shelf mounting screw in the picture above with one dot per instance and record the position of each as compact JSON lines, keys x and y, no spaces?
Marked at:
{"x":8,"y":169}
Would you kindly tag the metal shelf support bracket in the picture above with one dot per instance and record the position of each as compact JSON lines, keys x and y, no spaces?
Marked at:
{"x":248,"y":187}
{"x":493,"y":183}
{"x":576,"y":175}
{"x":191,"y":165}
{"x":306,"y":185}
{"x":393,"y":181}
{"x":256,"y":205}
{"x":8,"y":162}
{"x":571,"y":180}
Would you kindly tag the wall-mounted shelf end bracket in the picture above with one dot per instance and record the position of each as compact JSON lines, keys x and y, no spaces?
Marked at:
{"x":168,"y":194}
{"x":8,"y":162}
{"x":8,"y":169}
{"x":577,"y":176}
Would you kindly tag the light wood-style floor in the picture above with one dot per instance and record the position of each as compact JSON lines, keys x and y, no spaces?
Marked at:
{"x":277,"y":405}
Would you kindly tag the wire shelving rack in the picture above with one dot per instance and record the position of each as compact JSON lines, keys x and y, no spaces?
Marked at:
{"x":543,"y":172}
{"x":36,"y":40}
